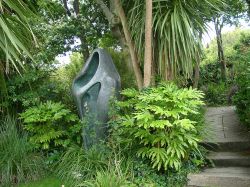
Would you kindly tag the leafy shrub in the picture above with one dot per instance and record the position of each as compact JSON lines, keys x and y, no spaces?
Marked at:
{"x":215,"y":94}
{"x":161,"y":123}
{"x":30,"y":88}
{"x":147,"y":176}
{"x":66,"y":74}
{"x":51,"y":125}
{"x":210,"y":73}
{"x":242,"y":97}
{"x":35,"y":85}
{"x":19,"y":162}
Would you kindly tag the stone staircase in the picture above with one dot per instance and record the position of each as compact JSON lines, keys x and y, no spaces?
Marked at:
{"x":230,"y":151}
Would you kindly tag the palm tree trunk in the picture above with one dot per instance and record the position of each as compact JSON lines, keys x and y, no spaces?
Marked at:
{"x":130,"y":43}
{"x":169,"y":73}
{"x":148,"y":44}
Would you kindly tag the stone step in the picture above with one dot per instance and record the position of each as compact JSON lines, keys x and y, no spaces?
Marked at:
{"x":221,"y":177}
{"x":231,"y":146}
{"x":230,"y":159}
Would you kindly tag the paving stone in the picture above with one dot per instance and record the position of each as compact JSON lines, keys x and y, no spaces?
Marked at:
{"x":225,"y":126}
{"x":231,"y":141}
{"x":221,"y":177}
{"x":230,"y":158}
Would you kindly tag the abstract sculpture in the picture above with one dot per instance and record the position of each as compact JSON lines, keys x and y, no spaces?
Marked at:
{"x":92,"y":89}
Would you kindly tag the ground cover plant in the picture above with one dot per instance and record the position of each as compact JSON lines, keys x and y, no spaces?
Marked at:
{"x":49,"y":181}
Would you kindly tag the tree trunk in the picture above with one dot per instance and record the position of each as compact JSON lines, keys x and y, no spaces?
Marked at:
{"x":197,"y":67}
{"x":221,"y":57}
{"x":116,"y":31}
{"x":248,"y":5}
{"x":106,"y":11}
{"x":84,"y":47}
{"x":148,"y":44}
{"x":130,"y":43}
{"x":65,"y":4}
{"x":168,"y":73}
{"x":76,"y":6}
{"x":196,"y":73}
{"x":3,"y":89}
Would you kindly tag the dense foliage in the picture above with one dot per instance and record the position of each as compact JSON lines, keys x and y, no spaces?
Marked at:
{"x":163,"y":125}
{"x":230,"y":39}
{"x":242,"y":97}
{"x":51,"y":125}
{"x":218,"y":92}
{"x":154,"y":133}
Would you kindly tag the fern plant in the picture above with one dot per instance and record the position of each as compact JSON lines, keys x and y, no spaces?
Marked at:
{"x":161,"y":123}
{"x":51,"y":125}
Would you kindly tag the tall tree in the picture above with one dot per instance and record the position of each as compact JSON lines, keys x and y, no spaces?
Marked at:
{"x":229,"y":16}
{"x":248,"y":9}
{"x":70,"y":26}
{"x":130,"y":43}
{"x":175,"y":33}
{"x":148,"y":44}
{"x":176,"y":26}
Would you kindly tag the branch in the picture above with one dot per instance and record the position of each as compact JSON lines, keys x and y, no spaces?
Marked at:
{"x":106,"y":11}
{"x":65,"y":4}
{"x":76,"y":6}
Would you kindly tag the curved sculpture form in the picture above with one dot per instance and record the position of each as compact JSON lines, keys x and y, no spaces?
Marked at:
{"x":97,"y":82}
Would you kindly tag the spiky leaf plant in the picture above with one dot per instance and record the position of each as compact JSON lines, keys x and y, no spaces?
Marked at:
{"x":19,"y":162}
{"x":176,"y":28}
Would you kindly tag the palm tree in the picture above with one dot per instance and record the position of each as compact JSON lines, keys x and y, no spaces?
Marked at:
{"x":16,"y":34}
{"x":16,"y":37}
{"x":148,"y":44}
{"x":176,"y":26}
{"x":130,"y":43}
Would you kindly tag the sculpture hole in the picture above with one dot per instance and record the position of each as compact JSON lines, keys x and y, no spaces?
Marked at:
{"x":89,"y":71}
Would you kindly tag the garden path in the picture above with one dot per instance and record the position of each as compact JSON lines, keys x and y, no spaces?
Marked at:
{"x":229,"y":145}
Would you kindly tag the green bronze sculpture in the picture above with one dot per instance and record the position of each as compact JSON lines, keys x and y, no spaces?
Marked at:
{"x":92,"y":89}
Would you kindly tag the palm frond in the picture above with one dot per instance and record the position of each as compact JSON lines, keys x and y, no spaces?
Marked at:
{"x":176,"y":27}
{"x":16,"y":34}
